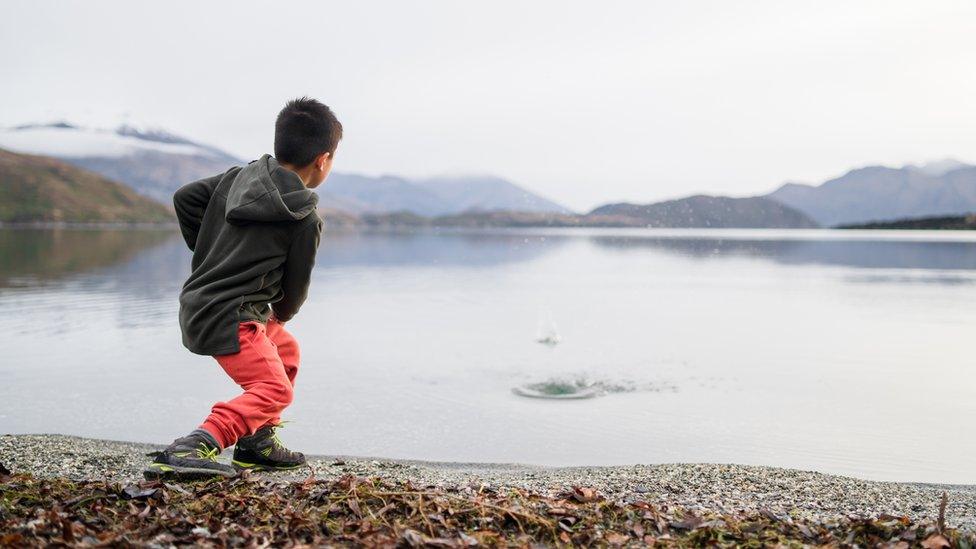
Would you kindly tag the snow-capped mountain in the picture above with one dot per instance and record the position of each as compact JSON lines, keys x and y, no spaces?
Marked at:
{"x":152,"y":161}
{"x":62,"y":139}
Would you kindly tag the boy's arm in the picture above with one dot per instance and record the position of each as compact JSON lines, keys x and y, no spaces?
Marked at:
{"x":298,"y":271}
{"x":190,"y":202}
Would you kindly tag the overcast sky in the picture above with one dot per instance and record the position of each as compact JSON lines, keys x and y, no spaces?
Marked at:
{"x":584,"y":102}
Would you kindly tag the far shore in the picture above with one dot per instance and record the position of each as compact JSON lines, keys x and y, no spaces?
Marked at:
{"x":336,"y":219}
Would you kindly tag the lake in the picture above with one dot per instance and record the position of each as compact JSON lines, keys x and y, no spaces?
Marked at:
{"x":842,"y":352}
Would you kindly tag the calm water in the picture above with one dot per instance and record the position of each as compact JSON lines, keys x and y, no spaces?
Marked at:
{"x":842,"y":352}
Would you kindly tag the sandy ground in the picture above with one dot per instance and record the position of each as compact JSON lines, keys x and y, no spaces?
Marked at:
{"x":714,"y":487}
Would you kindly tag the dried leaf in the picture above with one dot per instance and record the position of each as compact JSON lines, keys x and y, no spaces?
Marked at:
{"x":412,"y":538}
{"x":585,"y":495}
{"x":375,"y":512}
{"x":67,"y":532}
{"x":690,"y":522}
{"x":936,"y":541}
{"x":133,"y":491}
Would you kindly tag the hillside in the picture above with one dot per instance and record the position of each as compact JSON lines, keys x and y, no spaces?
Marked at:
{"x":40,"y":189}
{"x":875,"y":193}
{"x":708,"y":211}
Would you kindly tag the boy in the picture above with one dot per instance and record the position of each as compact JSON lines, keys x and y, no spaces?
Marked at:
{"x":254,"y":232}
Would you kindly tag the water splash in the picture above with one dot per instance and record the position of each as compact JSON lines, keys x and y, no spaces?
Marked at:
{"x":581,"y":387}
{"x":556,"y":389}
{"x":547,"y":333}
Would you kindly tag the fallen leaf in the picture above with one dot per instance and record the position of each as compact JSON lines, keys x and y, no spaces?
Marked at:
{"x":690,"y":522}
{"x":412,"y":538}
{"x":936,"y":541}
{"x":177,"y":488}
{"x":585,"y":495}
{"x":135,"y":492}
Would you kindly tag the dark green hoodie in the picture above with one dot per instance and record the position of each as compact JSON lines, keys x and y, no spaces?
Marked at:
{"x":254,"y":233}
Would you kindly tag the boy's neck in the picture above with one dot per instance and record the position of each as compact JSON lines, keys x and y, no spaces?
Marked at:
{"x":305,"y":174}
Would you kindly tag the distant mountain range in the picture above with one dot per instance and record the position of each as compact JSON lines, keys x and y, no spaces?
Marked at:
{"x":697,"y":211}
{"x":879,"y":193}
{"x":155,"y":163}
{"x":41,"y":189}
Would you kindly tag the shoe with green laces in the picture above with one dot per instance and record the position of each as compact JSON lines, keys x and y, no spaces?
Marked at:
{"x":189,"y":458}
{"x":264,"y":451}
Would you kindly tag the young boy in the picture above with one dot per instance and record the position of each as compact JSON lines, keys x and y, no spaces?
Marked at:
{"x":254,"y":232}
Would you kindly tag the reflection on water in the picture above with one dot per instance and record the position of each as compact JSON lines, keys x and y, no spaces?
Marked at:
{"x":30,"y":256}
{"x":432,"y":248}
{"x":807,"y":350}
{"x":847,"y":253}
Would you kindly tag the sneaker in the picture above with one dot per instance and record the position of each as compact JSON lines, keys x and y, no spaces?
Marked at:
{"x":190,"y":457}
{"x":264,"y":451}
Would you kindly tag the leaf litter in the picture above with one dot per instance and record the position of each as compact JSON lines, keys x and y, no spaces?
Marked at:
{"x":351,"y":510}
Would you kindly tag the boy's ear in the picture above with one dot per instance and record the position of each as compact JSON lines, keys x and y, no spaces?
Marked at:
{"x":321,"y":161}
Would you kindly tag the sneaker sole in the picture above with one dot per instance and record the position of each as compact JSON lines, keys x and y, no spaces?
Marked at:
{"x":244,"y":466}
{"x":157,"y":471}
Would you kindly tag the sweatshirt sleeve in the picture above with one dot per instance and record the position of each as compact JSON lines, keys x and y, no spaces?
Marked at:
{"x":190,"y":202}
{"x":298,"y":270}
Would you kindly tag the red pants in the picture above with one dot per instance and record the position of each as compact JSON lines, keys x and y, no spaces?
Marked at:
{"x":265,"y":368}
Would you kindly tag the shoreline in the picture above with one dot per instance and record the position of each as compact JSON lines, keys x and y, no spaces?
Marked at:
{"x":715,"y":488}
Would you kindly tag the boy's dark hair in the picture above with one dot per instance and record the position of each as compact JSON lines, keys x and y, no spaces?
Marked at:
{"x":305,"y":129}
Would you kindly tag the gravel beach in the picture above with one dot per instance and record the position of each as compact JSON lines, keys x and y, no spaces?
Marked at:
{"x":705,"y":487}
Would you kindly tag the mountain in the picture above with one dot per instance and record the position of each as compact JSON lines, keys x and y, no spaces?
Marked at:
{"x":702,"y":211}
{"x":881,"y":193}
{"x":938,"y":167}
{"x":155,"y":163}
{"x":359,"y":194}
{"x":487,"y":193}
{"x":41,"y":189}
{"x":439,"y":196}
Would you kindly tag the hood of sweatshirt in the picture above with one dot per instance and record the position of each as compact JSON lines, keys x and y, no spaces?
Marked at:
{"x":265,"y":192}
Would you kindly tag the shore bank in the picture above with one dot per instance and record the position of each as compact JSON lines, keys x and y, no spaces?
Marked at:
{"x":700,"y":488}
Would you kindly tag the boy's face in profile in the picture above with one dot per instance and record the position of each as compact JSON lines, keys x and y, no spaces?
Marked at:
{"x":323,"y":165}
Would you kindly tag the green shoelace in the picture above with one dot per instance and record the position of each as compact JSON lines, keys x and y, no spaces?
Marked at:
{"x":209,"y":454}
{"x":274,"y":435}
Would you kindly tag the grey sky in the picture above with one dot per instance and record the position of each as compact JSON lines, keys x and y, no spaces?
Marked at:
{"x":585,"y":102}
